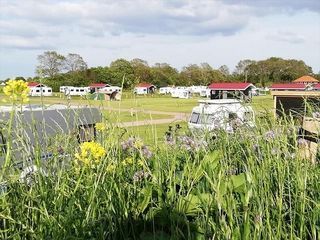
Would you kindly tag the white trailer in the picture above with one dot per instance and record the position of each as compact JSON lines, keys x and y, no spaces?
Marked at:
{"x":165,"y":90}
{"x":205,"y":93}
{"x":226,"y":114}
{"x":40,"y":91}
{"x":180,"y":93}
{"x":110,"y":89}
{"x":76,"y":91}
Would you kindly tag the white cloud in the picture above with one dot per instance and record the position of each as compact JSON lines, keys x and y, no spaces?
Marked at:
{"x":103,"y":30}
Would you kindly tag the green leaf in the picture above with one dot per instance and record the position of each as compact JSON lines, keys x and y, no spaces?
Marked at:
{"x":147,"y":194}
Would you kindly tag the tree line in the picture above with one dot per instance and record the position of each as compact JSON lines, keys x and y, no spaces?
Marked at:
{"x":56,"y":70}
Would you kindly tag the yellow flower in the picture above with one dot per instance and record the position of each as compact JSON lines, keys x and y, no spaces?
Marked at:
{"x":127,"y":161}
{"x":138,"y":144}
{"x":100,"y":127}
{"x":90,"y":153}
{"x":140,"y":163}
{"x":17,"y":90}
{"x":111,"y":167}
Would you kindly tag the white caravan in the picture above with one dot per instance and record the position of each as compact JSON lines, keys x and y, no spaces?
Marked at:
{"x":196,"y":89}
{"x":40,"y":91}
{"x":180,"y":92}
{"x":226,"y":114}
{"x":205,"y":92}
{"x":165,"y":90}
{"x":110,"y":89}
{"x":75,"y":91}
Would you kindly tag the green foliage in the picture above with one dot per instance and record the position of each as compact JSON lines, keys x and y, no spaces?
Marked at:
{"x":242,"y":185}
{"x":273,"y":70}
{"x":53,"y":66}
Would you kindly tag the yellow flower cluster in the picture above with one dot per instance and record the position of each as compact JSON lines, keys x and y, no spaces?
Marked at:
{"x":17,"y":90}
{"x":138,"y":144}
{"x":111,"y":167}
{"x":100,"y":127}
{"x":127,"y":161}
{"x":90,"y":153}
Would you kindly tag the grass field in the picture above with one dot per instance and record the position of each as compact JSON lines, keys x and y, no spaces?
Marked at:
{"x":132,"y":183}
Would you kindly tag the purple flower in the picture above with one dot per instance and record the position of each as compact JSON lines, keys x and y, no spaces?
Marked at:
{"x":270,"y":135}
{"x":146,"y":152}
{"x":302,"y":142}
{"x":140,"y":175}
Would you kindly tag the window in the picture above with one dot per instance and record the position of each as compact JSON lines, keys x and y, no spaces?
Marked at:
{"x":232,"y":116}
{"x":87,"y":133}
{"x":81,"y":90}
{"x":194,"y":117}
{"x":37,"y":90}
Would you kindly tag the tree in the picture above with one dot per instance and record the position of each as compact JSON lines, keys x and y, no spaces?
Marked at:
{"x":141,"y":70}
{"x":163,"y":75}
{"x":276,"y":70}
{"x":120,"y":70}
{"x":224,"y":70}
{"x":20,"y":78}
{"x":74,"y":62}
{"x":50,"y":64}
{"x":242,"y":65}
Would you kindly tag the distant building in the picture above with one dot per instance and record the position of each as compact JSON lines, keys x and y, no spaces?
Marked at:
{"x":306,"y":80}
{"x":231,"y":90}
{"x":144,"y":88}
{"x":39,"y":89}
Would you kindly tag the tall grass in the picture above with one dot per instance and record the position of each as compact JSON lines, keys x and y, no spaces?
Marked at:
{"x":252,"y":184}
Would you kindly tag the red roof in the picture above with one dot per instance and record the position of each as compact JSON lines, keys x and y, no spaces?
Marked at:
{"x":94,"y":85}
{"x":306,"y":79}
{"x":317,"y":86}
{"x":145,"y":85}
{"x":229,"y":86}
{"x":284,"y":86}
{"x":33,"y":84}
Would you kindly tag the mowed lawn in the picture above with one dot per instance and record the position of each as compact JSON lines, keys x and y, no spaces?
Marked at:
{"x":115,"y":116}
{"x":125,"y":111}
{"x":152,"y":102}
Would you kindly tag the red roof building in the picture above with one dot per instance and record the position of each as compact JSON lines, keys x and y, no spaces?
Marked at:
{"x":236,"y":90}
{"x":306,"y":79}
{"x":288,"y":86}
{"x":230,"y":86}
{"x":35,"y":84}
{"x":144,"y":88}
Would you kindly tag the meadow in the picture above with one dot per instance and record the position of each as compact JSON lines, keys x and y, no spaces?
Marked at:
{"x":137,"y":183}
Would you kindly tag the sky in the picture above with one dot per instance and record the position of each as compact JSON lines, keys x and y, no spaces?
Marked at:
{"x":178,"y":32}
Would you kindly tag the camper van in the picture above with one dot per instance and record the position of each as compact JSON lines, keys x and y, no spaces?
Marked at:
{"x":226,"y":114}
{"x":34,"y":129}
